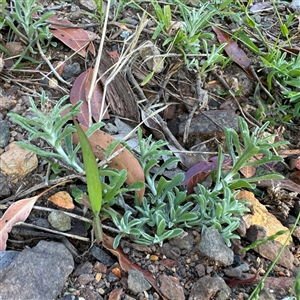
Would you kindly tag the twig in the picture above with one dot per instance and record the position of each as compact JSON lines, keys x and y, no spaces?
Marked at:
{"x":261,"y":85}
{"x":193,"y":110}
{"x":97,"y":66}
{"x":65,"y":212}
{"x":253,"y":122}
{"x":43,"y":185}
{"x":168,"y":133}
{"x":78,"y":237}
{"x":73,"y":25}
{"x":50,"y":65}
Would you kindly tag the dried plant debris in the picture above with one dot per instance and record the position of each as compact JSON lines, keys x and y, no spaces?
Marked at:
{"x":280,"y":200}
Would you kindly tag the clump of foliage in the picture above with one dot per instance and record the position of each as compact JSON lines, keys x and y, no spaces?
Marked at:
{"x":25,"y":23}
{"x":166,"y":210}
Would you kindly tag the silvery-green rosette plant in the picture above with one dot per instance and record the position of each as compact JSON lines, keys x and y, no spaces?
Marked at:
{"x":166,"y":209}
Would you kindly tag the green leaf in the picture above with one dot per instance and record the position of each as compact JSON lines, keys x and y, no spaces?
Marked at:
{"x":284,"y":30}
{"x":262,"y":241}
{"x":91,"y":168}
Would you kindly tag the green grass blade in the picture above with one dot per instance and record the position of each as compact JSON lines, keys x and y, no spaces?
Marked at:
{"x":91,"y":169}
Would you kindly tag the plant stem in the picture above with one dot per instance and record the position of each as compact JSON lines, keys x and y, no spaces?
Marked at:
{"x":98,"y":228}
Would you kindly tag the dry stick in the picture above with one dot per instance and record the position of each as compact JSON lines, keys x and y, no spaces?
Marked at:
{"x":65,"y":212}
{"x":97,"y":66}
{"x":73,"y":25}
{"x":32,"y":92}
{"x":42,"y":185}
{"x":78,"y":237}
{"x":160,"y":121}
{"x":261,"y":85}
{"x":160,"y":92}
{"x":193,"y":110}
{"x":40,"y":234}
{"x":253,"y":122}
{"x":51,"y":67}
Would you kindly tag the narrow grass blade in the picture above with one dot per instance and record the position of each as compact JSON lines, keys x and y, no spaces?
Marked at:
{"x":91,"y":169}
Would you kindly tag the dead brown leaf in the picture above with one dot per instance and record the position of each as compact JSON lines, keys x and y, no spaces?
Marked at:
{"x":17,"y":212}
{"x":232,"y":49}
{"x":63,"y":200}
{"x":80,"y":90}
{"x":75,"y":38}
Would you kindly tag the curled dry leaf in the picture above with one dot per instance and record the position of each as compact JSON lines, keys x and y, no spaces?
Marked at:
{"x":99,"y":141}
{"x":80,"y":91}
{"x":63,"y":200}
{"x":119,"y":94}
{"x":75,"y":38}
{"x":17,"y":212}
{"x":232,"y":49}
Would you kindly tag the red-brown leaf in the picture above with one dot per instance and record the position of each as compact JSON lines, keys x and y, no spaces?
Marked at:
{"x":96,"y":100}
{"x":80,"y":91}
{"x":17,"y":212}
{"x":194,"y":180}
{"x":75,"y":38}
{"x":232,"y":49}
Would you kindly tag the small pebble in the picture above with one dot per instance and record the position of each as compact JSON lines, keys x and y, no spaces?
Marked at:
{"x":4,"y":134}
{"x":59,"y":221}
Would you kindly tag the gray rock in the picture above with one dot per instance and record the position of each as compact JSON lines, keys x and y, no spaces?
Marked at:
{"x":233,"y":272}
{"x":37,"y":273}
{"x":89,"y":5}
{"x":200,"y":269}
{"x":4,"y":134}
{"x":71,"y":71}
{"x":4,"y":188}
{"x":84,"y":268}
{"x":223,"y":295}
{"x":111,"y":277}
{"x":111,"y":129}
{"x":137,"y":282}
{"x":212,"y":246}
{"x":243,"y":267}
{"x":183,"y":243}
{"x":256,"y":232}
{"x":207,"y":287}
{"x":266,"y":295}
{"x":7,"y":257}
{"x":296,"y":233}
{"x":102,"y":256}
{"x":59,"y":220}
{"x":270,"y":250}
{"x":85,"y":278}
{"x":171,"y":288}
{"x":203,"y":124}
{"x":171,"y":252}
